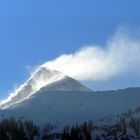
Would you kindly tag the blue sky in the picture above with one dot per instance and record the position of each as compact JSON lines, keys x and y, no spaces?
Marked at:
{"x":34,"y":31}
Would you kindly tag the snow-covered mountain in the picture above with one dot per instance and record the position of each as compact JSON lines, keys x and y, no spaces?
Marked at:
{"x":50,"y":96}
{"x":43,"y":79}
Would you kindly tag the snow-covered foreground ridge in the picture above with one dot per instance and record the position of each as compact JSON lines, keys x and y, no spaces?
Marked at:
{"x":39,"y":79}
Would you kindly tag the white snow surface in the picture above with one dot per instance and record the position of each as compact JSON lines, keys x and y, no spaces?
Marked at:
{"x":68,"y":107}
{"x":50,"y":80}
{"x":50,"y":96}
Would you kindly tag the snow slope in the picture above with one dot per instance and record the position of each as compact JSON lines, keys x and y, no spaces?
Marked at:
{"x":50,"y":96}
{"x":69,"y":107}
{"x":43,"y":78}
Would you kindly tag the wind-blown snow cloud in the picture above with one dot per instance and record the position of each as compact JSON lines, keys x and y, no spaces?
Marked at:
{"x":120,"y":55}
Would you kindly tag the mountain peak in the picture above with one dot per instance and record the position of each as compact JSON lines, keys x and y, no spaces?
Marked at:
{"x":43,"y":79}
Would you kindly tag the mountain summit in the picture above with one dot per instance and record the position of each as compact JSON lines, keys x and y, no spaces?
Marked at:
{"x":46,"y":80}
{"x":51,"y":96}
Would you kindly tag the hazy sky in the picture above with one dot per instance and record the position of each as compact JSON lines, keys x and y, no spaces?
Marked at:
{"x":35,"y":31}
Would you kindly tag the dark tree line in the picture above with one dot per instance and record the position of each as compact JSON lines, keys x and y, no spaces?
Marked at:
{"x":78,"y":132}
{"x":12,"y":129}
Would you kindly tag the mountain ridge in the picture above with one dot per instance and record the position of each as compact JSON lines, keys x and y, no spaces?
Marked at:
{"x":62,"y":100}
{"x":48,"y":80}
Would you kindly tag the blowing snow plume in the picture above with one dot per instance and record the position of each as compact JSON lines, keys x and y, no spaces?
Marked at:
{"x":120,"y":55}
{"x":38,"y":79}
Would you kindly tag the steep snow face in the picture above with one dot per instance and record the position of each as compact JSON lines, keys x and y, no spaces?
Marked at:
{"x":65,"y":84}
{"x":46,"y":80}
